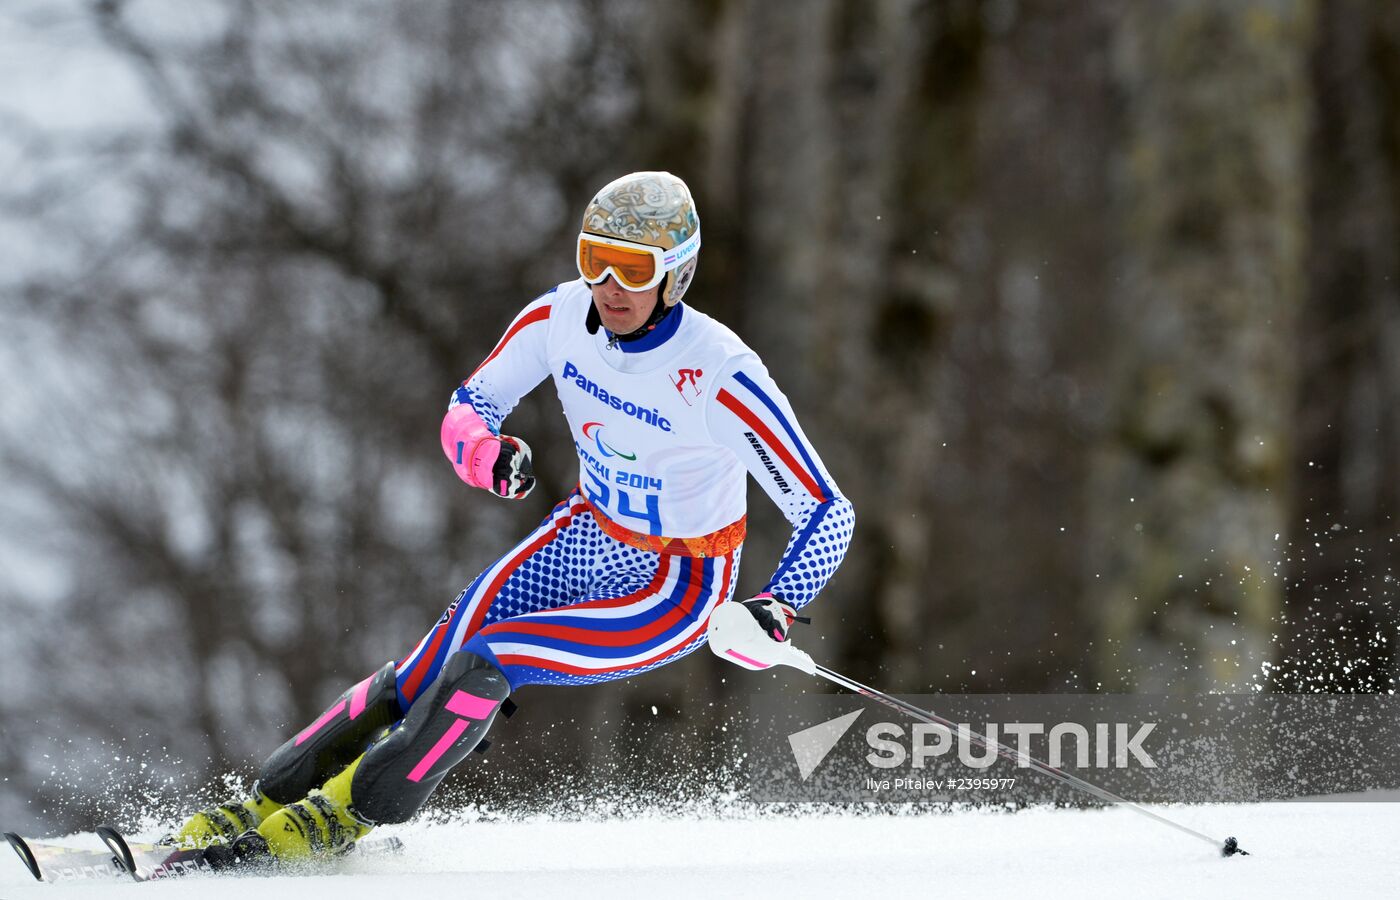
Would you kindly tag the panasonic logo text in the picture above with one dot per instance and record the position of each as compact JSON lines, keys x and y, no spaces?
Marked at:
{"x":627,"y":407}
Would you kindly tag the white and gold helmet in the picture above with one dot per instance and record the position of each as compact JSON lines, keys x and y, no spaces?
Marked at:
{"x":641,"y":229}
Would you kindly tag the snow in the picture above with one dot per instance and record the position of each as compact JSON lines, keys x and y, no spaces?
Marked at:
{"x":1298,"y":848}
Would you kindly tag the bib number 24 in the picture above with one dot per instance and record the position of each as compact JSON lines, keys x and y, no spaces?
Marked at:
{"x":645,"y":507}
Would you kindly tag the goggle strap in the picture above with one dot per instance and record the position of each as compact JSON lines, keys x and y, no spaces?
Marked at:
{"x":677,"y":255}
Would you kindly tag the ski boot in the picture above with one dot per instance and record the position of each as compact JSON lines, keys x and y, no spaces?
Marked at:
{"x":222,"y":824}
{"x":393,"y":778}
{"x":388,"y":783}
{"x":323,"y":824}
{"x":337,"y":737}
{"x":320,"y":826}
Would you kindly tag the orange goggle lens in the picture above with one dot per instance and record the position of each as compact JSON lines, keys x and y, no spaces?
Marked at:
{"x":635,"y":269}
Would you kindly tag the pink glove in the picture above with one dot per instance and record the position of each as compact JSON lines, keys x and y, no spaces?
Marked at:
{"x":496,"y":463}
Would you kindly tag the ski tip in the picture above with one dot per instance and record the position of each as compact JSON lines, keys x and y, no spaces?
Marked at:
{"x":25,"y":854}
{"x":121,"y":853}
{"x":1232,"y":848}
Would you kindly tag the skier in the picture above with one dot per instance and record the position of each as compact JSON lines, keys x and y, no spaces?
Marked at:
{"x":668,"y":410}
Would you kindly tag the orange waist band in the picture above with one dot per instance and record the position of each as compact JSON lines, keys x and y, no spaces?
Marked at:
{"x":716,"y":543}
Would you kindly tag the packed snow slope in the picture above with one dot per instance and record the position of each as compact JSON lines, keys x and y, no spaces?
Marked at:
{"x":1346,"y":849}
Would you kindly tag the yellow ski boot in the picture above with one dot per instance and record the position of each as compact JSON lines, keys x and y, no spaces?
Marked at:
{"x":222,"y":824}
{"x":320,"y":825}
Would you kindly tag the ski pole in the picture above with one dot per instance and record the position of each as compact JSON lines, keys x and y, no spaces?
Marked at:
{"x":1229,"y":847}
{"x":733,"y":635}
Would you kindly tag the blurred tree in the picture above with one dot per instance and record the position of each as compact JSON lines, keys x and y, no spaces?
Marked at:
{"x":1191,"y":485}
{"x":1341,"y":618}
{"x":340,"y":210}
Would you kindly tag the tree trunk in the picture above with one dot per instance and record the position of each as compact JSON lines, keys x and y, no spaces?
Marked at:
{"x":1191,"y":484}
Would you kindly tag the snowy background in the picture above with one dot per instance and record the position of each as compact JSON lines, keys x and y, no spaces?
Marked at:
{"x":1092,"y":310}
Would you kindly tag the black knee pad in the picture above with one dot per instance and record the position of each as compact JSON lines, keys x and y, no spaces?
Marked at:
{"x":400,"y":772}
{"x":334,"y":740}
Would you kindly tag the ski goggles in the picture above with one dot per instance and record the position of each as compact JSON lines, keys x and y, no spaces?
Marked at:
{"x":637,"y":267}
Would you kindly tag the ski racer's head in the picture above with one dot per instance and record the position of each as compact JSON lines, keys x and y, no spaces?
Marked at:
{"x":639,"y":243}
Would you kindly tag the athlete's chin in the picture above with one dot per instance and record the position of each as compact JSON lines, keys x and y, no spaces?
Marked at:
{"x":618,"y":322}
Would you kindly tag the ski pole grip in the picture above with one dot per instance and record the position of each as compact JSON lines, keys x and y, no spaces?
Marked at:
{"x":736,"y":637}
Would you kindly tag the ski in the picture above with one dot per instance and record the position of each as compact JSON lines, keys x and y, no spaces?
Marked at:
{"x":135,"y":860}
{"x":51,"y":862}
{"x":152,"y":862}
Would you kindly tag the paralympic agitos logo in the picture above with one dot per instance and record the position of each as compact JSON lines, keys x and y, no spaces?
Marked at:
{"x":591,"y":430}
